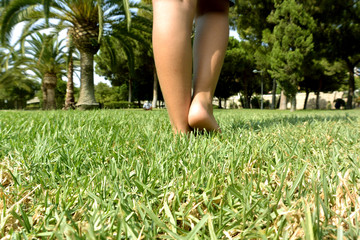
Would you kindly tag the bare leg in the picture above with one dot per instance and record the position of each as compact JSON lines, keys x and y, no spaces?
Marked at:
{"x":211,"y":39}
{"x":172,"y":27}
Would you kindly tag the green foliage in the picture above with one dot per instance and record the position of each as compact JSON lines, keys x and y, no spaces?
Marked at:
{"x":132,"y":65}
{"x":45,"y":54}
{"x":339,"y":103}
{"x":322,"y":75}
{"x":123,"y":174}
{"x":119,"y":105}
{"x":255,"y":102}
{"x":16,"y":86}
{"x":105,"y":94}
{"x":60,"y":92}
{"x":15,"y":94}
{"x":293,"y":40}
{"x":237,"y":72}
{"x":33,"y":106}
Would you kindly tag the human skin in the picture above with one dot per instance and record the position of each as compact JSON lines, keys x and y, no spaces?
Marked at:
{"x":172,"y":29}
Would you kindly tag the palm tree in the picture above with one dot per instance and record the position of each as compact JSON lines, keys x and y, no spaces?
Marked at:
{"x":122,"y":61}
{"x":15,"y":84}
{"x":86,"y":21}
{"x":70,"y":98}
{"x":47,"y":61}
{"x":136,"y":39}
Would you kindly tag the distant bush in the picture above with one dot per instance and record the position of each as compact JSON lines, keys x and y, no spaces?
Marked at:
{"x":339,"y":103}
{"x":234,"y":105}
{"x":266,"y":104}
{"x":328,"y":105}
{"x":357,"y":100}
{"x":120,"y":104}
{"x":33,"y":106}
{"x":255,"y":102}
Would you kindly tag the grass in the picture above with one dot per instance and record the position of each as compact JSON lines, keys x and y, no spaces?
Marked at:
{"x":122,"y":175}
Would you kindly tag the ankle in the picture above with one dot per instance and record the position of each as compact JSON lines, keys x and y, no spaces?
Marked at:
{"x":204,"y":99}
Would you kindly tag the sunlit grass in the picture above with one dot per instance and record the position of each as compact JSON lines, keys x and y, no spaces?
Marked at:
{"x":122,"y":174}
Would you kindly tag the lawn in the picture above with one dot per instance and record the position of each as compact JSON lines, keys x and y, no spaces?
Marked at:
{"x":121,"y":174}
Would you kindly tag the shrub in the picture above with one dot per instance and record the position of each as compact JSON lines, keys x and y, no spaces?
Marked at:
{"x":119,"y":105}
{"x":266,"y":104}
{"x":33,"y":106}
{"x":357,"y":100}
{"x":255,"y":102}
{"x":339,"y":103}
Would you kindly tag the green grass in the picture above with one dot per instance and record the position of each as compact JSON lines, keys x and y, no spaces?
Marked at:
{"x":122,"y":174}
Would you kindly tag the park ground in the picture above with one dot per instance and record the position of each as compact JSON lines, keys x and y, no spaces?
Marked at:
{"x":116,"y":174}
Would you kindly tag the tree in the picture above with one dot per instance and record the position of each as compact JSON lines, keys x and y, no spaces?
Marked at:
{"x":70,"y":98}
{"x":86,"y":21}
{"x":15,"y":85}
{"x":249,"y":17}
{"x":292,"y":41}
{"x":112,"y":63}
{"x":46,"y":58}
{"x":237,"y":72}
{"x":338,"y":35}
{"x":132,"y":60}
{"x":147,"y":13}
{"x":321,"y":76}
{"x":106,"y":94}
{"x":229,"y":80}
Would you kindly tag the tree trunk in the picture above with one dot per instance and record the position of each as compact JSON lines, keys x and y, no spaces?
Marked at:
{"x":349,"y":104}
{"x":246,"y":99}
{"x":293,"y":103}
{"x":318,"y":94}
{"x":44,"y":93}
{"x":69,"y":99}
{"x":51,"y":103}
{"x":87,"y":93}
{"x":317,"y":100}
{"x":306,"y":98}
{"x":220,"y":103}
{"x":283,"y":101}
{"x":273,"y":101}
{"x":155,"y":90}
{"x":50,"y":81}
{"x":130,"y":90}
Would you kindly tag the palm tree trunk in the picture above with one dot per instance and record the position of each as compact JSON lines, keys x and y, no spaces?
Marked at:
{"x":51,"y":103}
{"x":70,"y":99}
{"x":155,"y":90}
{"x":44,"y":93}
{"x":50,"y":81}
{"x":87,"y":93}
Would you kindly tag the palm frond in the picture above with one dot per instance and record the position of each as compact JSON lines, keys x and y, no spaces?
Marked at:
{"x":10,"y":17}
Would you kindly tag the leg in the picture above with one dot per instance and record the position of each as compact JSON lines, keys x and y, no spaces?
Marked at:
{"x":172,"y":27}
{"x":211,"y":39}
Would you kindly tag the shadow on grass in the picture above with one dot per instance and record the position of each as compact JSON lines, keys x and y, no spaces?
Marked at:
{"x":257,"y":124}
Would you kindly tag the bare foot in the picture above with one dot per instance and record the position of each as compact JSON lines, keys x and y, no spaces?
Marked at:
{"x":201,"y":115}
